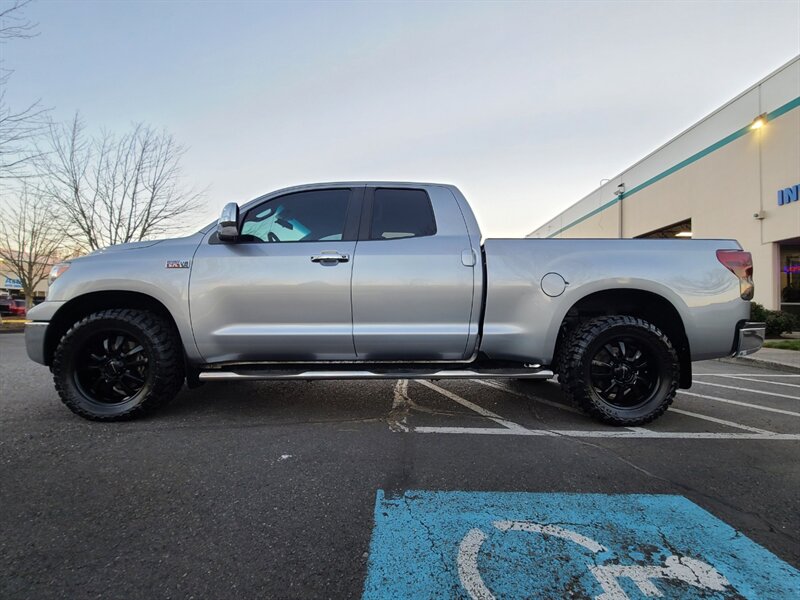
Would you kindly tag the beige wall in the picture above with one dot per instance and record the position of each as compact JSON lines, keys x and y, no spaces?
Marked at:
{"x":604,"y":224}
{"x":780,"y":159}
{"x":719,"y":192}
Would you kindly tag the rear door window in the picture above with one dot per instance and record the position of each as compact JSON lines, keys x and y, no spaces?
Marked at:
{"x":401,"y":213}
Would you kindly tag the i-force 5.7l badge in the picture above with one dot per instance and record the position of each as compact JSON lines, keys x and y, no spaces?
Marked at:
{"x":177,"y":264}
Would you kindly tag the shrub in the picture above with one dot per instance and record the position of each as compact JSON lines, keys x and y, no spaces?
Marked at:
{"x":758,"y":312}
{"x":777,"y":321}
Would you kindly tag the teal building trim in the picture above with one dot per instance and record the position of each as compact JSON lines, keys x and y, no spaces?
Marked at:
{"x":684,"y":163}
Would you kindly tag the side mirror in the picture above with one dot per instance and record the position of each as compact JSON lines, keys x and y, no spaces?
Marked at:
{"x":228,"y":223}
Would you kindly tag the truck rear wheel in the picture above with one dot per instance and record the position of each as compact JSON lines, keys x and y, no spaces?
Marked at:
{"x":118,"y":364}
{"x":621,"y":370}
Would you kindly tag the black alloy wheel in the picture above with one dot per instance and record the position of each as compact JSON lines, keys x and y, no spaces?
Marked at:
{"x":112,"y":367}
{"x":118,"y":364}
{"x":624,"y":373}
{"x":620,"y":369}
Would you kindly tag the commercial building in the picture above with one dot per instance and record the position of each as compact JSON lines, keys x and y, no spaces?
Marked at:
{"x":735,"y":174}
{"x":10,"y":285}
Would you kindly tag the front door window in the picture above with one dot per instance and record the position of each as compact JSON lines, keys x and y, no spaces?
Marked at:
{"x":313,"y":216}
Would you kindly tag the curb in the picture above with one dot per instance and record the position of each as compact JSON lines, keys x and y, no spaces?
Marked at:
{"x":766,"y":364}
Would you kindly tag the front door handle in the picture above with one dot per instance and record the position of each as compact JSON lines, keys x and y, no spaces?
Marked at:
{"x":326,"y":257}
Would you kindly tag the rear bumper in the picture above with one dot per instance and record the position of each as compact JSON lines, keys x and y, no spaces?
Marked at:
{"x":34,"y":340}
{"x":749,"y":338}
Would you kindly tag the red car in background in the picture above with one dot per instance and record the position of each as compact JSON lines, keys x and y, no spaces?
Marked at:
{"x":18,"y":308}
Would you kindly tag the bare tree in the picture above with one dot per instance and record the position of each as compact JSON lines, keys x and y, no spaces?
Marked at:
{"x":29,"y":240}
{"x":17,"y":126}
{"x":116,"y":189}
{"x":12,"y":23}
{"x":17,"y":129}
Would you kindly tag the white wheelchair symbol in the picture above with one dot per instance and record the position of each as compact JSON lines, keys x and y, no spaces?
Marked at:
{"x":677,"y":568}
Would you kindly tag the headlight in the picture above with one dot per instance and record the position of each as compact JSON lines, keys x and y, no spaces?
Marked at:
{"x":57,"y":271}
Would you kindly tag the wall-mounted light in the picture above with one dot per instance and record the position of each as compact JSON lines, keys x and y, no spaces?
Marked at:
{"x":759,"y":121}
{"x":684,"y":234}
{"x":620,"y":190}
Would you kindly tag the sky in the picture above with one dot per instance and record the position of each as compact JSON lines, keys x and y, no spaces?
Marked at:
{"x":526,"y":107}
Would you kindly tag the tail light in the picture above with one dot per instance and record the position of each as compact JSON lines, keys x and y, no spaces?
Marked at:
{"x":739,"y":263}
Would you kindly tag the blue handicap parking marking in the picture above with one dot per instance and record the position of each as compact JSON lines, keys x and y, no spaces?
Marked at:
{"x":487,"y":545}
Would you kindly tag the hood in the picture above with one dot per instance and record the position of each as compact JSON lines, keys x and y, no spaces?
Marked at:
{"x":123,"y":247}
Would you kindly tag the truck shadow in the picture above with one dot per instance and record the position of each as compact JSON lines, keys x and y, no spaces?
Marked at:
{"x":283,"y":402}
{"x":531,"y":404}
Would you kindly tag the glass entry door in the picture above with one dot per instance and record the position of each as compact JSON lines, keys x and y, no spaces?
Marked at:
{"x":790,"y":278}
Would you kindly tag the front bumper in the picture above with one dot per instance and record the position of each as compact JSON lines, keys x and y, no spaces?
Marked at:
{"x":749,"y":338}
{"x":35,"y":333}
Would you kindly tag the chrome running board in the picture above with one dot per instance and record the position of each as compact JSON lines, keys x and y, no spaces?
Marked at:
{"x":394,"y":373}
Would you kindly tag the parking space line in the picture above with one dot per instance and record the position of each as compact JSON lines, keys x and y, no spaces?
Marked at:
{"x":484,"y":431}
{"x":739,"y":389}
{"x":501,"y":387}
{"x":510,"y":428}
{"x":687,"y":413}
{"x":742,"y":378}
{"x":640,"y":433}
{"x":719,"y":421}
{"x":400,"y":406}
{"x":744,"y":375}
{"x":649,"y":433}
{"x":638,"y":429}
{"x":471,"y":405}
{"x":739,"y":403}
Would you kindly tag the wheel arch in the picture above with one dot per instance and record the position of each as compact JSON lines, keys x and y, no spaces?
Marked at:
{"x":85,"y":304}
{"x":644,"y":304}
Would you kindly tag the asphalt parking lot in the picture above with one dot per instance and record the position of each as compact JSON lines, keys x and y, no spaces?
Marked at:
{"x":400,"y":488}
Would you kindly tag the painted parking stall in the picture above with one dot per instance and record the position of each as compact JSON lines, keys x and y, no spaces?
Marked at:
{"x":712,"y":410}
{"x":486,"y":545}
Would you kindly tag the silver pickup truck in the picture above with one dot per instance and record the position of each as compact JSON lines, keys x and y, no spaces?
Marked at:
{"x":389,"y":280}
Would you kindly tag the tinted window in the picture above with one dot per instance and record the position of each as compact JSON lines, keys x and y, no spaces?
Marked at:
{"x":312,"y":216}
{"x":401,"y":214}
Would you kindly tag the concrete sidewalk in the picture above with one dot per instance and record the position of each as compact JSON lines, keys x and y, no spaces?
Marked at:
{"x":771,"y":358}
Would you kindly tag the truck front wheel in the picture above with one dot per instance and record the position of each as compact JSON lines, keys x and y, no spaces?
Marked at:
{"x":620,"y":369}
{"x":118,"y":364}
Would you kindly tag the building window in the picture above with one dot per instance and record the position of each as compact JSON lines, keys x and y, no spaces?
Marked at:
{"x":790,"y":277}
{"x":680,"y":231}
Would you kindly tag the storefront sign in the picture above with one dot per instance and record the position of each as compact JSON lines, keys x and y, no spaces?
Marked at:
{"x":790,"y":194}
{"x":13,"y":284}
{"x":792,"y":269}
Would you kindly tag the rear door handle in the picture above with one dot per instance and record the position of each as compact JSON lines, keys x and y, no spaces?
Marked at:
{"x":330,"y":257}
